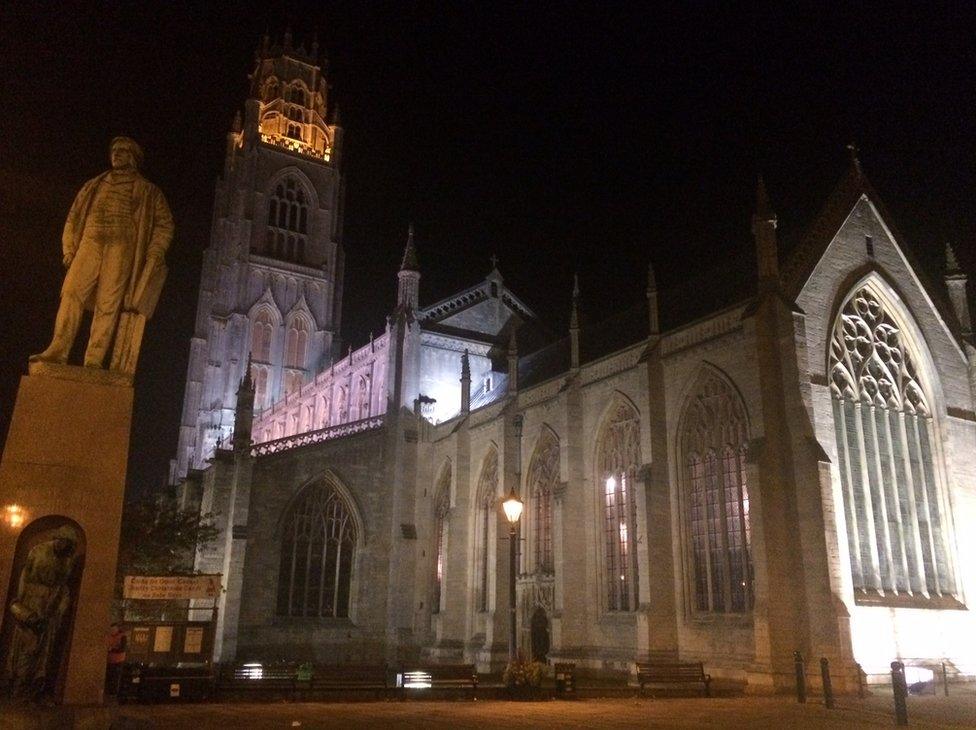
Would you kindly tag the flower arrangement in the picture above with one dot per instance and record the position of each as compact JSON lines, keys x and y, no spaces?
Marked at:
{"x":521,"y":673}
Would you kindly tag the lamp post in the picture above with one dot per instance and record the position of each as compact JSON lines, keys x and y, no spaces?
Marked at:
{"x":513,"y":511}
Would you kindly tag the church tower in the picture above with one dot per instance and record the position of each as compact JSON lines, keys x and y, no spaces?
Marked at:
{"x":271,"y":284}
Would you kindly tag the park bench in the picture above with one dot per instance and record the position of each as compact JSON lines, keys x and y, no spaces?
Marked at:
{"x":147,"y":683}
{"x":673,"y":673}
{"x":347,"y":678}
{"x":277,"y":677}
{"x":298,"y":681}
{"x":439,"y":677}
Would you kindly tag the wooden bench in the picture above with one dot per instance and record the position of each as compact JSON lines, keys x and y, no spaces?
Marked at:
{"x":673,"y":673}
{"x":347,"y":678}
{"x":439,"y":677}
{"x":277,"y":677}
{"x":143,"y":683}
{"x":297,"y":681}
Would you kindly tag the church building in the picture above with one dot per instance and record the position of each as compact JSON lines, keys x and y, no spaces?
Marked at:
{"x":792,"y":471}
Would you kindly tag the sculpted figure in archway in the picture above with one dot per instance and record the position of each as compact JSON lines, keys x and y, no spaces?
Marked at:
{"x":39,"y":609}
{"x":114,"y":240}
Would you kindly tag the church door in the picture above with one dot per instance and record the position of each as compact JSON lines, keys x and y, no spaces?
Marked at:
{"x":540,"y":636}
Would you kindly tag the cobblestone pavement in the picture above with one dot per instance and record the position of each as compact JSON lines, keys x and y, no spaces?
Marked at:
{"x":742,"y":712}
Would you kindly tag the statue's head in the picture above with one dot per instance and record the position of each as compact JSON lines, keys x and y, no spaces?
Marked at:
{"x":65,"y":541}
{"x":125,"y":154}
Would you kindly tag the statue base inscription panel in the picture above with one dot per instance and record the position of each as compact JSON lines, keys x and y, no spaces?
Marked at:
{"x":62,"y":480}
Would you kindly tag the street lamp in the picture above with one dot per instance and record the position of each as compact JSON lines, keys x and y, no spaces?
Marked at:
{"x":513,"y":510}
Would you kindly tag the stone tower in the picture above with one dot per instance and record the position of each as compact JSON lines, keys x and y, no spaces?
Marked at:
{"x":271,"y":284}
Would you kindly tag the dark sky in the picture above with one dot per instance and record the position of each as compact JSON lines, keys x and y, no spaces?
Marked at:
{"x":558,"y":136}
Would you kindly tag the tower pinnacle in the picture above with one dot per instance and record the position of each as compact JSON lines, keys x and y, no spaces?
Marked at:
{"x":409,"y":261}
{"x":764,"y":232}
{"x":574,"y":341}
{"x":408,"y":280}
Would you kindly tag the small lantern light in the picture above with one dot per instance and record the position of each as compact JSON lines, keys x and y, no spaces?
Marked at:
{"x":14,"y":516}
{"x":513,"y":508}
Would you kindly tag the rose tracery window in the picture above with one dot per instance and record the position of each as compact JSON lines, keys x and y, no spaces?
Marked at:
{"x":318,"y":543}
{"x":895,"y":513}
{"x":287,"y":218}
{"x":713,"y":445}
{"x":618,"y":459}
{"x":543,"y":477}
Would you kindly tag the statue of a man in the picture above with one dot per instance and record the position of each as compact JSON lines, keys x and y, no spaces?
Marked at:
{"x":114,"y":240}
{"x":39,"y":610}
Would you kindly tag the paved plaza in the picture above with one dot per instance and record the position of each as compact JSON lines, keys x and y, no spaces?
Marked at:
{"x":958,"y":711}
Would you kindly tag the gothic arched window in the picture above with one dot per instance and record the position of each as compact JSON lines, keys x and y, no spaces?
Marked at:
{"x":543,"y":477}
{"x":442,"y":505}
{"x":713,"y":441}
{"x":618,"y":458}
{"x":287,"y":219}
{"x":326,"y":419}
{"x":296,"y":343}
{"x":896,"y":514}
{"x":262,"y":333}
{"x":317,"y":551}
{"x":363,"y":397}
{"x":486,"y":504}
{"x":342,"y":405}
{"x":260,"y":388}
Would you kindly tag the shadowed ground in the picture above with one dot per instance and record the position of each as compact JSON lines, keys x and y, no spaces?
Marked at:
{"x":958,"y":711}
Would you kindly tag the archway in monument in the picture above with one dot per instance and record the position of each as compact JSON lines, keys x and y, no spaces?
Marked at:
{"x":540,"y":635}
{"x":42,"y":601}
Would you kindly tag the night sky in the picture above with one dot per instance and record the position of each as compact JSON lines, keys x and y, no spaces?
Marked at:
{"x":559,"y":137}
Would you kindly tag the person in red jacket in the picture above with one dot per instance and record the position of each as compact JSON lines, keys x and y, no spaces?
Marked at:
{"x":115,"y":642}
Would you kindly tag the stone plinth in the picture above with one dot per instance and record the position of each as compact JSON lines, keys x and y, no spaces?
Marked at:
{"x":66,"y":455}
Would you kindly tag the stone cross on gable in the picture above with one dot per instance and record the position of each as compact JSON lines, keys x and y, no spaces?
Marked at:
{"x":494,"y":261}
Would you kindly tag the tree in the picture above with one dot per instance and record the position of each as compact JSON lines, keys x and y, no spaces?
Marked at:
{"x":161,"y":538}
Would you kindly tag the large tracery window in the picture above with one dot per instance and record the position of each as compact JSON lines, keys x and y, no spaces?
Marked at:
{"x":713,"y":447}
{"x":317,"y":551}
{"x":287,"y":218}
{"x":542,"y":481}
{"x":486,"y":504}
{"x":442,"y":505}
{"x":618,"y":459}
{"x":897,"y":524}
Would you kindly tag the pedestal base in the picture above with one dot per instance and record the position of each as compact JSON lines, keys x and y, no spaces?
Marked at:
{"x":65,"y":456}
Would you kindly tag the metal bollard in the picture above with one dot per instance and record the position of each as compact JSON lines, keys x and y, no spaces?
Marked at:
{"x":828,"y":690}
{"x":801,"y":679}
{"x":860,"y":681}
{"x":945,"y":680}
{"x":900,"y":690}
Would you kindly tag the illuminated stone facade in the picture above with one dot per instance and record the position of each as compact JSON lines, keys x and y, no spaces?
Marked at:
{"x":271,"y":283}
{"x":790,"y":472}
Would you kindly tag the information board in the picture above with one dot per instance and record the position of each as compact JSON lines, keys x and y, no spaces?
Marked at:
{"x":171,"y":587}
